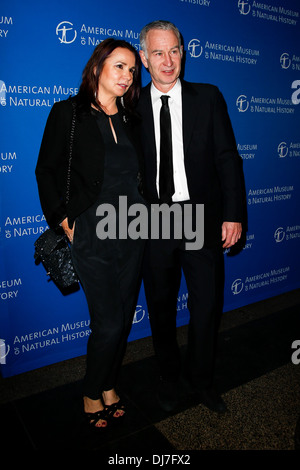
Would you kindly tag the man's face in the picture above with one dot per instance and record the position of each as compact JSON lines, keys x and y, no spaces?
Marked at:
{"x":163,"y":58}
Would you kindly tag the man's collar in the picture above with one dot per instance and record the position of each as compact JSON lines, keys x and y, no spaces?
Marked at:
{"x":174,"y":93}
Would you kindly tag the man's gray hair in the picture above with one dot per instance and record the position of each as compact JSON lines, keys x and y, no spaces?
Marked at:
{"x":159,"y":24}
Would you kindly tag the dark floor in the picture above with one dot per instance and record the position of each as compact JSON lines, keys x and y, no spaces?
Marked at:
{"x":42,"y":409}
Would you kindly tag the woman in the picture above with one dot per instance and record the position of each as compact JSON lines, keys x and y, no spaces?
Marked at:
{"x":105,"y":165}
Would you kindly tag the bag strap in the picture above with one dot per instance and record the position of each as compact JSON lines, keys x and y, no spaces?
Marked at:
{"x":71,"y":150}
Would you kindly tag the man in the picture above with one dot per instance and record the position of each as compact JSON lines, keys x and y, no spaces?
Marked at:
{"x":206,"y":170}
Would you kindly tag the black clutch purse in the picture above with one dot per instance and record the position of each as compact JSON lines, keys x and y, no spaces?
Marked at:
{"x":53,"y":250}
{"x":52,"y":247}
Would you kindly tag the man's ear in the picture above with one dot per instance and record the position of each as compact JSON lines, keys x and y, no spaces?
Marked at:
{"x":144,"y":59}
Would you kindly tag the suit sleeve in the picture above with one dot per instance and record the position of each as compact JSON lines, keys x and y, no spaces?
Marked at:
{"x":51,"y":169}
{"x":228,"y":162}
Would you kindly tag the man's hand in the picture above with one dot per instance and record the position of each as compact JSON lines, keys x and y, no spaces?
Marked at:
{"x":69,"y":232}
{"x":231,"y":233}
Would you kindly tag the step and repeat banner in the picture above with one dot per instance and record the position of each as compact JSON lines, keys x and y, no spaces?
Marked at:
{"x":249,"y":49}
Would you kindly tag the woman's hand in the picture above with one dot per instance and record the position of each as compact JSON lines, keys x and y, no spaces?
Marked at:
{"x":69,"y":232}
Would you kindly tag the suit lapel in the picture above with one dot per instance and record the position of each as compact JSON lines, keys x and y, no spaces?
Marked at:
{"x":189,"y":111}
{"x":145,"y":108}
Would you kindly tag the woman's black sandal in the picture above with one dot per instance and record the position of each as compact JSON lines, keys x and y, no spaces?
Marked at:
{"x":93,"y":419}
{"x":111,"y":410}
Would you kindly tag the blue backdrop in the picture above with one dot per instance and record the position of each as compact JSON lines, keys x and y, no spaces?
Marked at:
{"x":249,"y":49}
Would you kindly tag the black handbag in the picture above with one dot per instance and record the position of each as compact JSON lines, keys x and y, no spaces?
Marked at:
{"x":52,"y":247}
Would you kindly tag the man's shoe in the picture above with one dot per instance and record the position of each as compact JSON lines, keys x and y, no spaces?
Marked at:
{"x":213,"y":401}
{"x":167,"y":395}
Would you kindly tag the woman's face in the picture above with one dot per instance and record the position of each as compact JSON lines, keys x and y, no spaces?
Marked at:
{"x":117,"y":74}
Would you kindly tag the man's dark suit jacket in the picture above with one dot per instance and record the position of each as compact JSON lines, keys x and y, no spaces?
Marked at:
{"x":212,"y":164}
{"x":87,"y":162}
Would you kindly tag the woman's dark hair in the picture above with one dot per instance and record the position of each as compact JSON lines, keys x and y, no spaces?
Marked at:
{"x":92,"y":72}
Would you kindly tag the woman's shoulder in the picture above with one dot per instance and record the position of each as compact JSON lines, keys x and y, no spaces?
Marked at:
{"x":62,"y":109}
{"x":65,"y":104}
